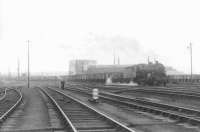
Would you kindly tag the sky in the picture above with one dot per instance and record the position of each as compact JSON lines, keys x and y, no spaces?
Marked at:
{"x":62,"y":30}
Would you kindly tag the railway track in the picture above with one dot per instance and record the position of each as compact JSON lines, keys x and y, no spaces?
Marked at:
{"x":103,"y":88}
{"x":180,"y":114}
{"x":158,"y":90}
{"x":184,"y":93}
{"x":83,"y":118}
{"x":186,"y":88}
{"x":2,"y":94}
{"x":8,"y":103}
{"x":28,"y":116}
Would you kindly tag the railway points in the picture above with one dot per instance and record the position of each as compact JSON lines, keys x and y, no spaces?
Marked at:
{"x":32,"y":114}
{"x":188,"y":101}
{"x":2,"y":93}
{"x":85,"y":118}
{"x":163,"y":109}
{"x":9,"y":102}
{"x":177,"y":100}
{"x":141,"y":120}
{"x":179,"y":97}
{"x":138,"y":117}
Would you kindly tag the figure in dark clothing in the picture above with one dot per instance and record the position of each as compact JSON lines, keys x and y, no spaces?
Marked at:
{"x":62,"y":84}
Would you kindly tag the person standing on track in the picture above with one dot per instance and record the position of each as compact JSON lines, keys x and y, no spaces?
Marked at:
{"x":62,"y":84}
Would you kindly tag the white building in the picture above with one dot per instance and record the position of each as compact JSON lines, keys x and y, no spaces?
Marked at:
{"x":80,"y":66}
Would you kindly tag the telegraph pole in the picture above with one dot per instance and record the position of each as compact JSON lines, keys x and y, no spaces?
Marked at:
{"x":18,"y":69}
{"x":114,"y":57}
{"x":28,"y":65}
{"x":191,"y":60}
{"x":118,"y":60}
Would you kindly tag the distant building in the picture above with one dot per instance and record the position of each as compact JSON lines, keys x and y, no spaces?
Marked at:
{"x":106,"y":68}
{"x":113,"y":70}
{"x":80,"y":66}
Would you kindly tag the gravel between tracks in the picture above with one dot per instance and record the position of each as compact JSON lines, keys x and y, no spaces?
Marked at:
{"x":143,"y":122}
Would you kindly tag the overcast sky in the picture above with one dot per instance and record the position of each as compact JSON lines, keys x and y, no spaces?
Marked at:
{"x":61,"y":30}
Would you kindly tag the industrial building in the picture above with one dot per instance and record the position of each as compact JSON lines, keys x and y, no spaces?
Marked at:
{"x":80,"y":66}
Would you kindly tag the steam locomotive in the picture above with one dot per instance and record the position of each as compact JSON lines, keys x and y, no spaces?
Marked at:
{"x":151,"y":74}
{"x":143,"y":74}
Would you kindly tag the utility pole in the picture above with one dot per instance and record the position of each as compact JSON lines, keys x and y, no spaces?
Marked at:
{"x":9,"y":73}
{"x":191,"y":60}
{"x":18,"y":69}
{"x":114,"y":57}
{"x":28,"y":65}
{"x":118,"y":60}
{"x":148,"y":60}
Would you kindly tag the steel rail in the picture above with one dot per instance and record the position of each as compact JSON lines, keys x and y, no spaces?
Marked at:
{"x":166,"y":92}
{"x":4,"y":95}
{"x":150,"y":108}
{"x":71,"y":126}
{"x":7,"y":113}
{"x":162,"y":90}
{"x":116,"y":123}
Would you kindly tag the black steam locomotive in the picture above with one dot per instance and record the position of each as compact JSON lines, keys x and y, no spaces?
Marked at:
{"x":151,"y":74}
{"x":143,"y":74}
